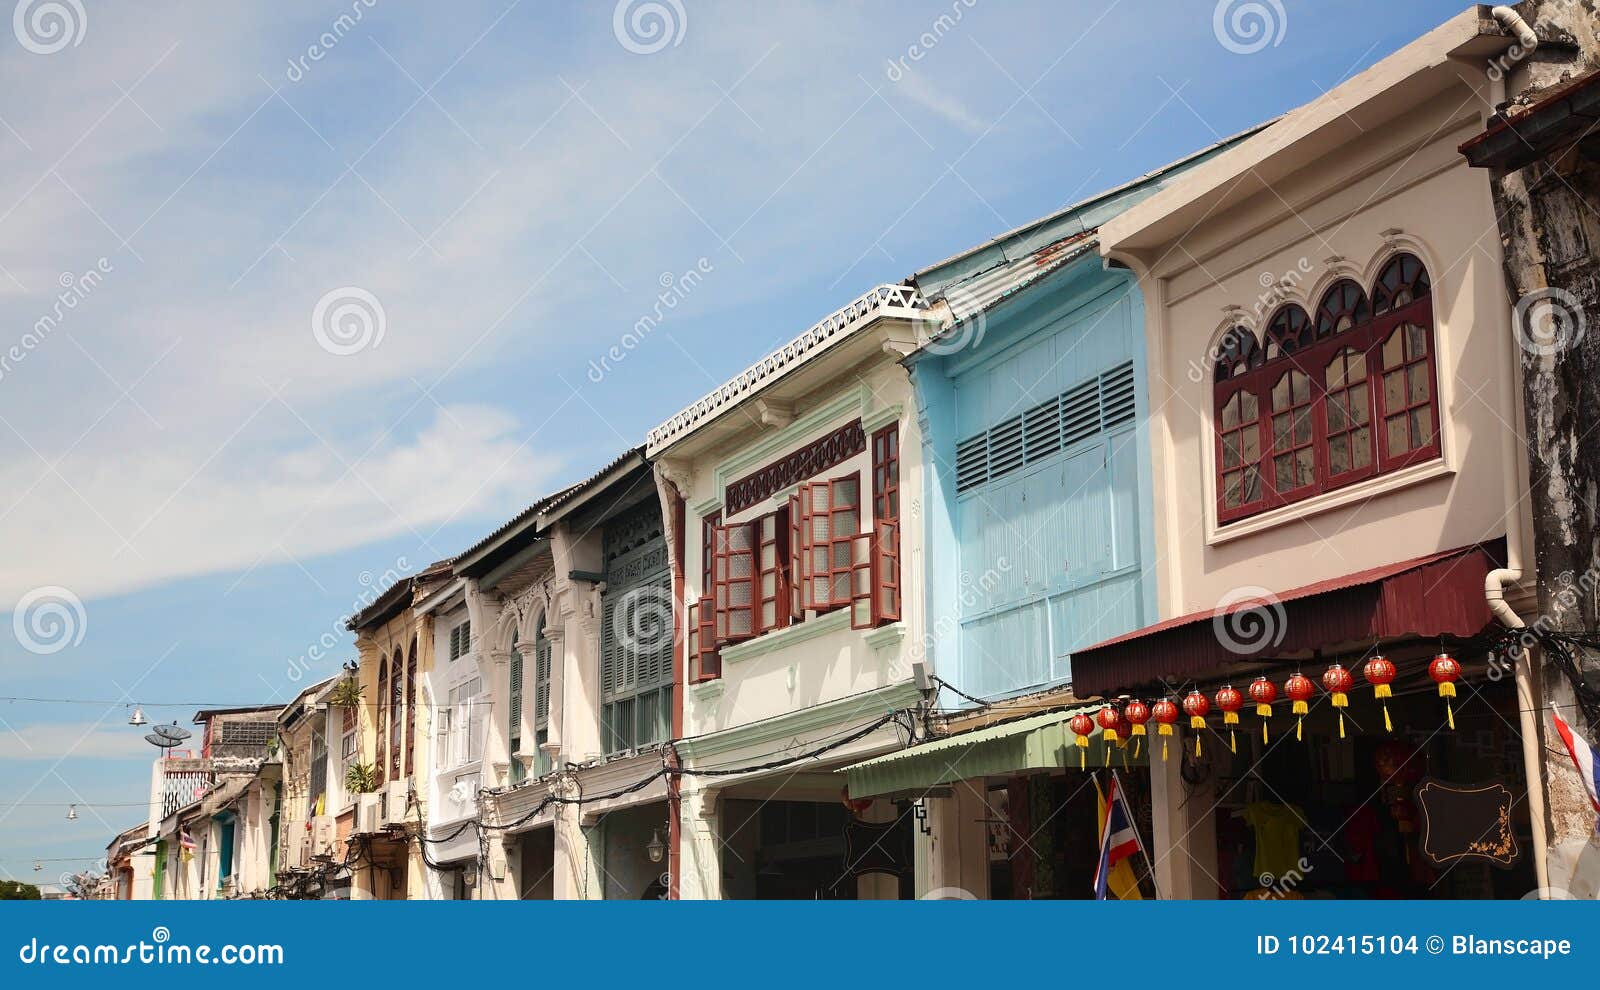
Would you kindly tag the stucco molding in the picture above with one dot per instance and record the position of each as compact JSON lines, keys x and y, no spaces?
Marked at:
{"x":857,"y":400}
{"x":1361,"y":491}
{"x":852,"y":709}
{"x":781,"y":639}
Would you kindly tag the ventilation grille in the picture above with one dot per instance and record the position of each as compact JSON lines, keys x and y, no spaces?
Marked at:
{"x":1086,"y":410}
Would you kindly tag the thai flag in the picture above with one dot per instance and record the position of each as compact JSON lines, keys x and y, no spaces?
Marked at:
{"x":1118,"y":840}
{"x":1583,"y":758}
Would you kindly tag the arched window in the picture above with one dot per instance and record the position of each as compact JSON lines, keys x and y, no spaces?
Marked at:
{"x":1343,"y":306}
{"x":380,"y":761}
{"x":397,"y":697}
{"x":514,"y":709}
{"x":541,"y":698}
{"x":1322,"y":403}
{"x":411,"y":709}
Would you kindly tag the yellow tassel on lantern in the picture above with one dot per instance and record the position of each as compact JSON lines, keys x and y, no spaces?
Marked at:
{"x":1341,"y":701}
{"x":1265,"y":712}
{"x":1163,"y":730}
{"x":1447,"y":690}
{"x":1083,"y":750}
{"x":1197,"y":744}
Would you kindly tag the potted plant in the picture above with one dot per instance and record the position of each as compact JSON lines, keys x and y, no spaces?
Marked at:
{"x":361,"y":778}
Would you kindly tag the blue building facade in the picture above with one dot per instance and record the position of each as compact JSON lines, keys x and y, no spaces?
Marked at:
{"x":1038,"y":508}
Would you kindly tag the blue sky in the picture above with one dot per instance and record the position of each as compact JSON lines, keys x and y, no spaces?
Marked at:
{"x":198,"y":462}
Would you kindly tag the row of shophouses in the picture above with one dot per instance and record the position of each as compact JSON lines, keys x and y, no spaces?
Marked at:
{"x":826,"y":632}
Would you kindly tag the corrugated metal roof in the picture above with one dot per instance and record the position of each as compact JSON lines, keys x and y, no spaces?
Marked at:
{"x":1036,"y":742}
{"x":1440,"y":594}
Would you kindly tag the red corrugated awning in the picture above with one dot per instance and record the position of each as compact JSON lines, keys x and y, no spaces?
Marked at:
{"x":1437,"y":595}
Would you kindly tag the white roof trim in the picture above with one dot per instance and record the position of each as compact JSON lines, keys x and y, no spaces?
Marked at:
{"x":884,"y":300}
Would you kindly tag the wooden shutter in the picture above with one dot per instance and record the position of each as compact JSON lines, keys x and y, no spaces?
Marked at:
{"x":734,"y":582}
{"x":772,"y":560}
{"x":834,"y":520}
{"x":380,"y":760}
{"x":705,"y":623}
{"x":799,"y":531}
{"x":886,"y":572}
{"x":411,"y":710}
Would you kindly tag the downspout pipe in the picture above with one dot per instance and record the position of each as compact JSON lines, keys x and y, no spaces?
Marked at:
{"x":1514,"y":23}
{"x":1528,"y":703}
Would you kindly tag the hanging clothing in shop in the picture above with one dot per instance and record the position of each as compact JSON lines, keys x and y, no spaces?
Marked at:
{"x":1277,"y":831}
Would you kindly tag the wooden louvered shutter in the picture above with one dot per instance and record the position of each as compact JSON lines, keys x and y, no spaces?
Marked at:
{"x":886,"y":572}
{"x":799,"y":529}
{"x":705,"y":645}
{"x":734,"y":582}
{"x":834,"y":522}
{"x":886,"y":524}
{"x":411,"y":710}
{"x":515,"y":716}
{"x":772,"y":561}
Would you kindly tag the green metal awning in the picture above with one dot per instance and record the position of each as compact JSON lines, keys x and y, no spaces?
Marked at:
{"x":1038,"y":742}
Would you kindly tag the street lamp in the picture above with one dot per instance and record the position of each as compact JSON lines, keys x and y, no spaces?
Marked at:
{"x":137,"y":718}
{"x":72,"y":812}
{"x":655,"y":848}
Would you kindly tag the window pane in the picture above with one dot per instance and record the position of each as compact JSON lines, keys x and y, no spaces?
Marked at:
{"x":1394,"y":390}
{"x":1416,"y":342}
{"x":1357,"y":399}
{"x":1280,"y":393}
{"x":1421,"y":427}
{"x":1361,"y":448}
{"x":1252,"y":444}
{"x":1392,"y":355}
{"x":1302,"y":387}
{"x":1417,"y":382}
{"x":1252,"y":484}
{"x":1302,"y":426}
{"x":1306,"y":460}
{"x":1283,"y":472}
{"x":1336,"y":370}
{"x":1280,"y":430}
{"x":1398,"y":440}
{"x":1230,"y":413}
{"x":1230,"y":489}
{"x":845,"y":523}
{"x":1249,"y":409}
{"x":1336,"y":416}
{"x":1338,"y":454}
{"x":1230,"y":450}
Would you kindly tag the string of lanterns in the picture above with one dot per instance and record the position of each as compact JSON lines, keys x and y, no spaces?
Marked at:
{"x":1121,"y":722}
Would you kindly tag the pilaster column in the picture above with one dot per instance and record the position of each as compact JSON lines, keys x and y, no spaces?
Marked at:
{"x":700,"y":858}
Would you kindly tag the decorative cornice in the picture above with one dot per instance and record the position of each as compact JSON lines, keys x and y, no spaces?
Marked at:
{"x":851,"y":709}
{"x":884,"y":300}
{"x":815,"y":457}
{"x":889,"y":635}
{"x":873,"y":421}
{"x":780,"y":639}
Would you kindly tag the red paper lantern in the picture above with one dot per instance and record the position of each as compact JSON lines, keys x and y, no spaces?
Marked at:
{"x":1229,"y":700}
{"x":1137,"y":713}
{"x":1445,"y":671}
{"x":1109,"y":718}
{"x":1082,"y":726}
{"x":1165,"y":712}
{"x":1196,"y":707}
{"x":1300,"y":690}
{"x":1263,"y":692}
{"x":1379,"y":672}
{"x":1338,"y":683}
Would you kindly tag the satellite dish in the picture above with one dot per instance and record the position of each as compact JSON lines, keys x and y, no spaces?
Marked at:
{"x":160,"y":741}
{"x":174,"y":732}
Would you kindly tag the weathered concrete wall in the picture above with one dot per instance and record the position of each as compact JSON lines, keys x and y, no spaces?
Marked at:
{"x":1549,"y":216}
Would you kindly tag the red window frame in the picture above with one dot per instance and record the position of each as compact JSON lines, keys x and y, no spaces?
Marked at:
{"x":733,"y":582}
{"x":831,"y":554}
{"x":886,"y":600}
{"x":773,"y":601}
{"x":1402,"y":297}
{"x":709,"y":659}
